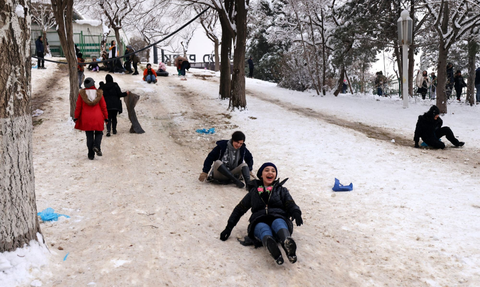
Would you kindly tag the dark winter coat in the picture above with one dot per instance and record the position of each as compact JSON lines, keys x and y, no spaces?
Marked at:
{"x":39,"y":46}
{"x":280,"y":204}
{"x":459,"y":82}
{"x":427,"y":126}
{"x":477,"y":76}
{"x":218,"y":152}
{"x":112,"y":94}
{"x":250,"y":63}
{"x":90,"y":115}
{"x":450,"y":79}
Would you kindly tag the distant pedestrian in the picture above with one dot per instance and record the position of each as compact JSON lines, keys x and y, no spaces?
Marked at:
{"x":81,"y":69}
{"x":40,"y":52}
{"x":90,"y":115}
{"x":344,"y":87}
{"x":450,"y":81}
{"x":380,"y":81}
{"x":433,"y":87}
{"x":112,"y":54}
{"x":182,"y":65}
{"x":429,"y":128}
{"x":112,"y":94}
{"x":459,"y":84}
{"x":477,"y":84}
{"x":149,"y":74}
{"x":128,"y":61}
{"x":250,"y":67}
{"x":423,"y":83}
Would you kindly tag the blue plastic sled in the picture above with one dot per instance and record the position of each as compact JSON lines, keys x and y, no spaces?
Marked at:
{"x":204,"y":131}
{"x":49,"y":215}
{"x":340,"y":187}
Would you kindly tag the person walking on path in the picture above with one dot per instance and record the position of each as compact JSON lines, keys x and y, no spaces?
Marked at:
{"x":40,"y":48}
{"x":81,"y":69}
{"x":90,"y":114}
{"x":433,"y":87}
{"x":272,"y":207}
{"x":423,"y":83}
{"x":149,"y":74}
{"x":429,"y":128}
{"x":112,"y":94}
{"x":230,"y":159}
{"x":250,"y":67}
{"x":459,"y":84}
{"x":477,"y":84}
{"x":450,"y":80}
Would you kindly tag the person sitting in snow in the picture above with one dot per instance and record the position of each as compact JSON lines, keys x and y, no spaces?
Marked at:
{"x":230,"y":159}
{"x":149,"y":74}
{"x":162,"y":70}
{"x":272,"y":206}
{"x":429,"y":128}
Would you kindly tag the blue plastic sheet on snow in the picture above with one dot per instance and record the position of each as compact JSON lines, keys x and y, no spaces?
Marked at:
{"x":49,"y":215}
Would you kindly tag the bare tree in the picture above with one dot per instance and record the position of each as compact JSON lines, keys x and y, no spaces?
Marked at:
{"x":42,"y":14}
{"x":209,"y":23}
{"x":63,"y":11}
{"x":18,"y":212}
{"x":452,"y":21}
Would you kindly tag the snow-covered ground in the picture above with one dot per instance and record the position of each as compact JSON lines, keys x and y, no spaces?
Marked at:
{"x":140,"y":217}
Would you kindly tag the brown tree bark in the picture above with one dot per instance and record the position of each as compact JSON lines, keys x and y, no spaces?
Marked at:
{"x":237,"y":97}
{"x":63,"y":11}
{"x":473,"y":48}
{"x":227,"y":35}
{"x":18,"y":211}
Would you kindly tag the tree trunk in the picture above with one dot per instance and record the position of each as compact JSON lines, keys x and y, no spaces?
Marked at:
{"x":411,"y":56}
{"x":63,"y":11}
{"x":324,"y":54}
{"x":131,"y":101}
{"x":217,"y":56}
{"x":472,"y":52}
{"x":442,"y":79}
{"x":237,"y":98}
{"x":225,"y":77}
{"x":18,"y":212}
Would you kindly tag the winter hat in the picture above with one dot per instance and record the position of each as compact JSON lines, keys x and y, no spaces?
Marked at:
{"x":260,"y":170}
{"x":434,"y":110}
{"x":89,"y":82}
{"x":129,"y":47}
{"x":109,"y":78}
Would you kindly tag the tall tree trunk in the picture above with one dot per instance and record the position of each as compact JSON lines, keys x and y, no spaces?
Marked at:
{"x":217,"y":56}
{"x":442,"y":79}
{"x":237,"y":98}
{"x":225,"y":75}
{"x":411,"y":51}
{"x":473,"y":48}
{"x":63,"y":11}
{"x":18,"y":212}
{"x":324,"y":55}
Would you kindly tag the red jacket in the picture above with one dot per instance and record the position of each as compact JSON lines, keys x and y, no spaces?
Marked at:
{"x":145,"y":73}
{"x":90,"y":115}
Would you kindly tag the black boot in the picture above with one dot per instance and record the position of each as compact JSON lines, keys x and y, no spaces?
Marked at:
{"x":288,"y":244}
{"x":246,"y":176}
{"x":224,"y":170}
{"x":272,"y":247}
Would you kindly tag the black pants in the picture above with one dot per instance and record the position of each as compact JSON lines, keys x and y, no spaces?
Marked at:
{"x":444,"y":131}
{"x":135,"y":67}
{"x":459,"y":93}
{"x":112,"y":121}
{"x":250,"y":74}
{"x":94,"y":139}
{"x":41,"y":62}
{"x":128,"y":66}
{"x":111,"y":65}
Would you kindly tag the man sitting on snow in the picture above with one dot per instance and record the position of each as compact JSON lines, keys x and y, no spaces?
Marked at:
{"x":429,"y":128}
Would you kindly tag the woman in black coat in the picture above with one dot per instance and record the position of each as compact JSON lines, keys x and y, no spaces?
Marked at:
{"x":112,"y":94}
{"x":429,"y":128}
{"x":272,"y":207}
{"x":459,"y":84}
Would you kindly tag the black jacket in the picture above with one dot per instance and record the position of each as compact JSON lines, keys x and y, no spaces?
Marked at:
{"x":219,"y":150}
{"x":459,"y":82}
{"x":280,"y":205}
{"x":112,"y":94}
{"x":477,"y":76}
{"x":427,"y":126}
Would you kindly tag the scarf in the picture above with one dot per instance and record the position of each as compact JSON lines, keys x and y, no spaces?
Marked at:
{"x":231,"y":156}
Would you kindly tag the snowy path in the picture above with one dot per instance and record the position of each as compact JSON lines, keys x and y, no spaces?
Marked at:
{"x":140,"y":217}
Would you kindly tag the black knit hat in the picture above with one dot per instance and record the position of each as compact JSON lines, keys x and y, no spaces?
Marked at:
{"x":109,"y":78}
{"x":260,"y":170}
{"x":89,"y":82}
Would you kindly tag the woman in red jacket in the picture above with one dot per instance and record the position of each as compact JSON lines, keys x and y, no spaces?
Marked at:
{"x":90,"y":114}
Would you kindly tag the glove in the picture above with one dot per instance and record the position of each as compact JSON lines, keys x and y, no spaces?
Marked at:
{"x":202,"y":176}
{"x":106,"y":121}
{"x":226,"y":233}
{"x":74,"y":120}
{"x":297,"y":215}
